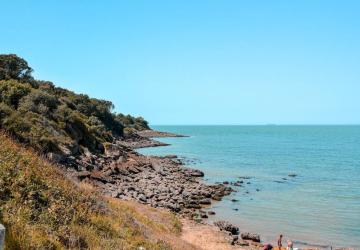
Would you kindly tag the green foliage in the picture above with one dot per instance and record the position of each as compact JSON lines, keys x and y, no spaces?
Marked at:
{"x":14,"y":67}
{"x":52,"y":119}
{"x":12,"y":91}
{"x":137,"y":123}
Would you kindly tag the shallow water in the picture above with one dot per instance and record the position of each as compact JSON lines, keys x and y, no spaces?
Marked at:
{"x":320,"y":205}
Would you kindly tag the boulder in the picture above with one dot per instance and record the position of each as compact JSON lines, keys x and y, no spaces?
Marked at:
{"x":205,"y":201}
{"x":227,"y":226}
{"x":250,"y":236}
{"x":195,"y":172}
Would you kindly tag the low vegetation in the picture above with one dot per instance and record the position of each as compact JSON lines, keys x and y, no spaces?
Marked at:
{"x":41,"y":209}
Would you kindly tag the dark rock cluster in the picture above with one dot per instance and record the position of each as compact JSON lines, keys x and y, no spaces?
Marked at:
{"x":158,"y":181}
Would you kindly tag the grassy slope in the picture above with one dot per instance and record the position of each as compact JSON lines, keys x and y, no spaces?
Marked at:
{"x":41,"y":209}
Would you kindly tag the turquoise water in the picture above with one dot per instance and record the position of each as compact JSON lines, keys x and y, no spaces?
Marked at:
{"x":320,"y":205}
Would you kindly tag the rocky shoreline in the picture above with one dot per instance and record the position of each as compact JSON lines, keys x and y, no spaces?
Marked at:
{"x":149,"y":133}
{"x":164,"y":182}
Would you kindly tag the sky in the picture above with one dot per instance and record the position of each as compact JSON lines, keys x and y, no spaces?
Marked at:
{"x":197,"y":62}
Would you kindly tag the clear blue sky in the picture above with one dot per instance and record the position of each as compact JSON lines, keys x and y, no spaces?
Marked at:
{"x":198,"y":62}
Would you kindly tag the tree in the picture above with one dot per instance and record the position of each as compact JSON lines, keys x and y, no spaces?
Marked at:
{"x":14,"y":67}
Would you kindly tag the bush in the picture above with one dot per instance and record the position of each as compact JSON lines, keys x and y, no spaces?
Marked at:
{"x":43,"y":115}
{"x":12,"y":91}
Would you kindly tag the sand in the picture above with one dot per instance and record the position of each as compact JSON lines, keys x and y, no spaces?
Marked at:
{"x":206,"y":237}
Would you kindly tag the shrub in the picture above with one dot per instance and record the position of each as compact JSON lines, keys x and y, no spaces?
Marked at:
{"x":12,"y":91}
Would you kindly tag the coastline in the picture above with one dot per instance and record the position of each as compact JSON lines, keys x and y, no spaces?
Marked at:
{"x":208,"y":224}
{"x":164,"y":182}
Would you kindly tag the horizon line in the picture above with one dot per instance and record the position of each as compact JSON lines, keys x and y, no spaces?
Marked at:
{"x":270,"y":124}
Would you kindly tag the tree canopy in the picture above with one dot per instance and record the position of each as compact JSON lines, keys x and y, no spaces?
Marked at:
{"x":53,"y":119}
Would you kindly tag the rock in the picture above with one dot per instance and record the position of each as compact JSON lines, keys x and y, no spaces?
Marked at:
{"x":204,"y":216}
{"x":292,"y":175}
{"x":195,"y":172}
{"x":250,"y":236}
{"x":234,"y":239}
{"x":257,"y":190}
{"x":227,"y":226}
{"x":170,"y":156}
{"x":83,"y":174}
{"x":236,"y":209}
{"x":234,"y":200}
{"x":173,"y":207}
{"x":279,"y":181}
{"x":211,"y":213}
{"x":142,"y":198}
{"x":225,"y":182}
{"x":56,"y":158}
{"x":205,"y":201}
{"x":217,"y":198}
{"x":244,"y":177}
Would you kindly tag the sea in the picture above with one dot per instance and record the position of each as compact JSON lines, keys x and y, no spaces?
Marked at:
{"x":299,"y":181}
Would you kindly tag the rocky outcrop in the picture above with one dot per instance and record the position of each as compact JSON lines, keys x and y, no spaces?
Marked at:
{"x":153,"y":133}
{"x":135,"y":140}
{"x":227,"y":226}
{"x":250,"y":236}
{"x":158,"y":181}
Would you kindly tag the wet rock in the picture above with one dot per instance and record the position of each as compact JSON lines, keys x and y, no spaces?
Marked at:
{"x":244,"y":177}
{"x":195,"y":172}
{"x":279,"y":181}
{"x":227,"y":226}
{"x":217,"y":198}
{"x":292,"y":175}
{"x":170,"y":156}
{"x":211,"y":213}
{"x":250,"y":236}
{"x":234,"y":200}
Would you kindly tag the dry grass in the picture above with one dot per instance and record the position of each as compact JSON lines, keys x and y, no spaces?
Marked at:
{"x":41,"y":209}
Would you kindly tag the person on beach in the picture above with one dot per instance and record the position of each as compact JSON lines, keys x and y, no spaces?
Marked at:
{"x":279,"y":242}
{"x":290,"y":245}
